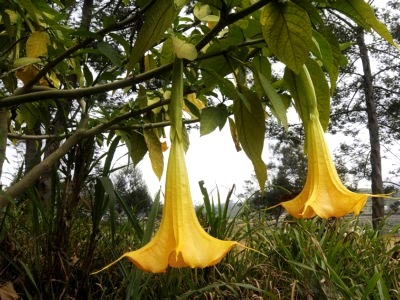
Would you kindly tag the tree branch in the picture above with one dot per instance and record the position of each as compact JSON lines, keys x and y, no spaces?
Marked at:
{"x":35,"y":137}
{"x":3,"y":139}
{"x":82,"y":92}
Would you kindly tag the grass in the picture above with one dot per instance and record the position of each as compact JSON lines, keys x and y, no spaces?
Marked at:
{"x":296,"y":259}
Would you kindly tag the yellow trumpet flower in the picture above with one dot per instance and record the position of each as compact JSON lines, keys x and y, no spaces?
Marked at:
{"x":180,"y":240}
{"x":323,"y":194}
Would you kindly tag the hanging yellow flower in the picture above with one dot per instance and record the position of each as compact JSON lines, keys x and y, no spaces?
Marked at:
{"x":180,"y":240}
{"x":323,"y":194}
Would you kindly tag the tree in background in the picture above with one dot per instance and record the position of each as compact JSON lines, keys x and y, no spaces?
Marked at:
{"x":366,"y":92}
{"x":132,"y":189}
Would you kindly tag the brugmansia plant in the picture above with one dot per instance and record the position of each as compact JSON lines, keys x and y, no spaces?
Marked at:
{"x":324,"y":194}
{"x":68,"y":90}
{"x":180,"y":240}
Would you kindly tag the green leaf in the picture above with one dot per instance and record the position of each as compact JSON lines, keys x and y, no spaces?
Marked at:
{"x":152,"y":220}
{"x":321,"y":89}
{"x":211,"y":118}
{"x":136,"y":144}
{"x":250,"y":126}
{"x":325,"y":52}
{"x":157,"y":20}
{"x":176,"y":104}
{"x":155,"y":152}
{"x":262,"y":65}
{"x":226,"y":86}
{"x":213,"y":67}
{"x":30,"y":9}
{"x":278,"y":106}
{"x":363,"y":14}
{"x":26,"y":61}
{"x":287,"y":30}
{"x":121,"y":40}
{"x":310,"y":91}
{"x":110,"y":156}
{"x":301,"y":89}
{"x":111,"y":53}
{"x":133,"y":220}
{"x":167,"y":52}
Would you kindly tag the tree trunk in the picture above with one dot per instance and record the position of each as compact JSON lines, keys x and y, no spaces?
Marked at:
{"x":373,"y":127}
{"x":3,"y":140}
{"x":33,"y":149}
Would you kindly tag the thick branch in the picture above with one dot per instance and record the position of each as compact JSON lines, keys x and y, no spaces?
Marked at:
{"x":82,"y":92}
{"x":35,"y":137}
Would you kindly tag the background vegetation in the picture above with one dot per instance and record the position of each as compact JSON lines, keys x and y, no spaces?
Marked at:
{"x":81,"y":80}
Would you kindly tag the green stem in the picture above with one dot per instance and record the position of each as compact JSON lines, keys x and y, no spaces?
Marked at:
{"x":176,"y":105}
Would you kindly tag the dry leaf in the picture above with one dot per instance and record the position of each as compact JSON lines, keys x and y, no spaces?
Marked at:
{"x":37,"y":43}
{"x":155,"y":152}
{"x":27,"y":73}
{"x":7,"y":292}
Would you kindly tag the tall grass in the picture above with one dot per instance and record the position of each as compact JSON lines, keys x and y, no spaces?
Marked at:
{"x":296,"y":259}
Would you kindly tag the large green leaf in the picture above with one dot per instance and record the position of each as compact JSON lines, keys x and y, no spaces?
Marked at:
{"x":325,"y":52}
{"x":321,"y":89}
{"x":363,"y":14}
{"x":310,"y":91}
{"x":212,"y":117}
{"x":287,"y":31}
{"x":250,"y":125}
{"x":136,"y":144}
{"x":157,"y":19}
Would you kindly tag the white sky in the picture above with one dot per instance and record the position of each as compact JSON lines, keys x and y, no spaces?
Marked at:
{"x":212,"y":158}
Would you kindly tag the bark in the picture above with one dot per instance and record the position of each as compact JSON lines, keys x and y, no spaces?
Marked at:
{"x":32,"y":149}
{"x":87,"y":12}
{"x":3,"y":139}
{"x":373,"y":127}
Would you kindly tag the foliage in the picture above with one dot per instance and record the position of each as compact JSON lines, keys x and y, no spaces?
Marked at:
{"x":81,"y":78}
{"x":315,"y":258}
